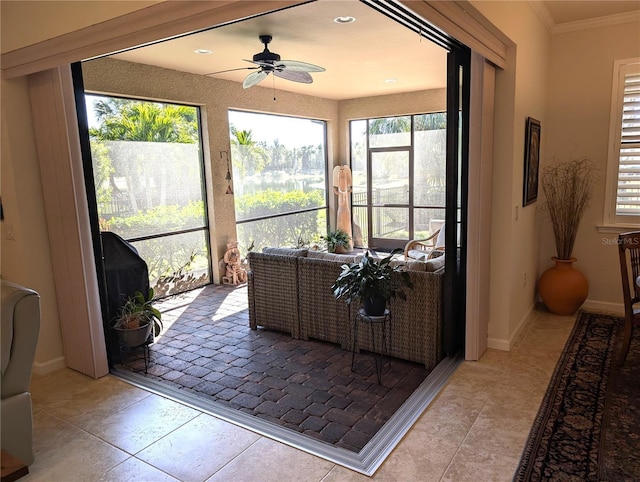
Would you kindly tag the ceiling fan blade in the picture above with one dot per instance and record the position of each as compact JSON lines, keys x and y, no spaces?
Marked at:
{"x":302,"y":77}
{"x":253,"y":78}
{"x":297,"y":66}
{"x":231,"y":70}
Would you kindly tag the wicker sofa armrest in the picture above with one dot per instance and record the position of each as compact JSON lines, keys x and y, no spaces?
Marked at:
{"x":273,"y":292}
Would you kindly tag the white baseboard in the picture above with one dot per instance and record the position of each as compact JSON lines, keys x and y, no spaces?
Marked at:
{"x":498,"y":344}
{"x":604,"y":306}
{"x":505,"y":344}
{"x":49,"y":366}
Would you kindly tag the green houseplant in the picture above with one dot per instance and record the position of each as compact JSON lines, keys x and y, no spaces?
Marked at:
{"x":137,"y":318}
{"x":337,"y":241}
{"x":373,"y":281}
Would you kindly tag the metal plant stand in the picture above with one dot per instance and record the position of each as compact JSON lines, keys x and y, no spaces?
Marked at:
{"x":380,"y":343}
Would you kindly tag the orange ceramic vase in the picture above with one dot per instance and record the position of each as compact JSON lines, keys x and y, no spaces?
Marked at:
{"x":563,"y":288}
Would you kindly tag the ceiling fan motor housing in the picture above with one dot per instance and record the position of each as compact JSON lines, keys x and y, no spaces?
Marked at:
{"x":266,"y":55}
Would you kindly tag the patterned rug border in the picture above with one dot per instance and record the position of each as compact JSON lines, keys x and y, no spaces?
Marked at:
{"x":584,"y":360}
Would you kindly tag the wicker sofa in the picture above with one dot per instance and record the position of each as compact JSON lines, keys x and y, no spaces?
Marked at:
{"x":289,"y":290}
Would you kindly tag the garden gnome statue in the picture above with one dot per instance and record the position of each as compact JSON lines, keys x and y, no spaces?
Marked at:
{"x":342,"y":186}
{"x":234,"y":273}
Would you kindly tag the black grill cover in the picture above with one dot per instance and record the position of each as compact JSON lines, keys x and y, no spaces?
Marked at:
{"x":126,"y":272}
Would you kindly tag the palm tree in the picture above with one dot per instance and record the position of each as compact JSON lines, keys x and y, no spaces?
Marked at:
{"x":278,"y":155}
{"x":132,"y":120}
{"x":247,"y":155}
{"x":127,"y":120}
{"x":390,"y":125}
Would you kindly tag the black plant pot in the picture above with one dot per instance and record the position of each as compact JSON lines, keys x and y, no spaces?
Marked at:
{"x":135,"y":336}
{"x":374,"y":306}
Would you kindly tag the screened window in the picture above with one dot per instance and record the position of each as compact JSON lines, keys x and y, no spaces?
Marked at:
{"x":148,"y":176}
{"x":623,"y":166}
{"x":279,"y":179}
{"x":399,"y":178}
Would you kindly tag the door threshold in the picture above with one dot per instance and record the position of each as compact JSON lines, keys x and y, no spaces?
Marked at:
{"x":366,"y":462}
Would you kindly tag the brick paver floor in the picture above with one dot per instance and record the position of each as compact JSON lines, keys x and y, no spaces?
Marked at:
{"x":208,"y":348}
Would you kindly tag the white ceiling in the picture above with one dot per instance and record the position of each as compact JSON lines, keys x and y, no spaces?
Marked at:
{"x":358,"y":57}
{"x":564,"y":11}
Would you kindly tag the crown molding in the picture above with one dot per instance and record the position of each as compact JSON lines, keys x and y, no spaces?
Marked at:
{"x":543,"y":14}
{"x":617,"y":19}
{"x":555,"y":28}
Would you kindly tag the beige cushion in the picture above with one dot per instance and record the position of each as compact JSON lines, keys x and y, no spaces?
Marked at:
{"x":434,"y":264}
{"x":343,"y":258}
{"x":418,"y":254}
{"x":409,"y":265}
{"x":440,"y":238}
{"x":285,"y":251}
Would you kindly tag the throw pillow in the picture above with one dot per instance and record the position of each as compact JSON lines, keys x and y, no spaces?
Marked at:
{"x":440,"y":238}
{"x":434,"y":264}
{"x":418,"y":254}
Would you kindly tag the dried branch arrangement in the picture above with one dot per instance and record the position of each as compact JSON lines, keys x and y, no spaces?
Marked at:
{"x":567,"y":189}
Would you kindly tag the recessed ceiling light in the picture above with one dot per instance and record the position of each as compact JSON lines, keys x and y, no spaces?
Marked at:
{"x":391,"y":81}
{"x":203,"y":51}
{"x":343,"y":20}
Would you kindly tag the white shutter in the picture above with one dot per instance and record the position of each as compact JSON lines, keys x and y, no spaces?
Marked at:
{"x":628,"y":197}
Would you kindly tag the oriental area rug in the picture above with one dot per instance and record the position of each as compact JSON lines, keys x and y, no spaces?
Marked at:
{"x":588,"y":425}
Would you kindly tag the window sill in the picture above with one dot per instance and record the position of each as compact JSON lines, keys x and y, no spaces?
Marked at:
{"x":617,"y":228}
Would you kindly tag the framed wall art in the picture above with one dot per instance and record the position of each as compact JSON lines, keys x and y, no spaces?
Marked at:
{"x":531,"y":161}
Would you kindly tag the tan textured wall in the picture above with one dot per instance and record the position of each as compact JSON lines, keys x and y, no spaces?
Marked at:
{"x":215,"y":97}
{"x":579,"y":102}
{"x":521,"y":91}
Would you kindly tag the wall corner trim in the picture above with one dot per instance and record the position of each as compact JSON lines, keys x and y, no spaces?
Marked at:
{"x":43,"y":368}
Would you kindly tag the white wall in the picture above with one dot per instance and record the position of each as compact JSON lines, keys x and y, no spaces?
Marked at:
{"x":521,"y":91}
{"x":27,"y":259}
{"x":579,"y":101}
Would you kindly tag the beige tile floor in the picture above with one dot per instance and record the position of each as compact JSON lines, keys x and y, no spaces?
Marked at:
{"x":107,"y":430}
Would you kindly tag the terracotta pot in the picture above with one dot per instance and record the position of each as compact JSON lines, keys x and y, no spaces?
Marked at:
{"x":563,"y":288}
{"x":339,"y":249}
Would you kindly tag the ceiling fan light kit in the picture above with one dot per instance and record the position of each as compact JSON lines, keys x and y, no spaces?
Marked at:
{"x":269,"y":63}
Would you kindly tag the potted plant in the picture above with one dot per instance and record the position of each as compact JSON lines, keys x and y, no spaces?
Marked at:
{"x":567,"y":189}
{"x":337,"y":241}
{"x":138,"y":319}
{"x":374,"y":281}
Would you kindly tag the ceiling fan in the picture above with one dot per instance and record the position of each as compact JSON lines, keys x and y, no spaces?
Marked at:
{"x":269,"y":62}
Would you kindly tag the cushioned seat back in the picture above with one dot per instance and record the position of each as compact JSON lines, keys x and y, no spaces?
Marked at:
{"x":322,"y":317}
{"x":20,"y":320}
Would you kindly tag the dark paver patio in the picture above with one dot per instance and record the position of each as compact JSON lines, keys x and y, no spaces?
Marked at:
{"x":208,"y":348}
